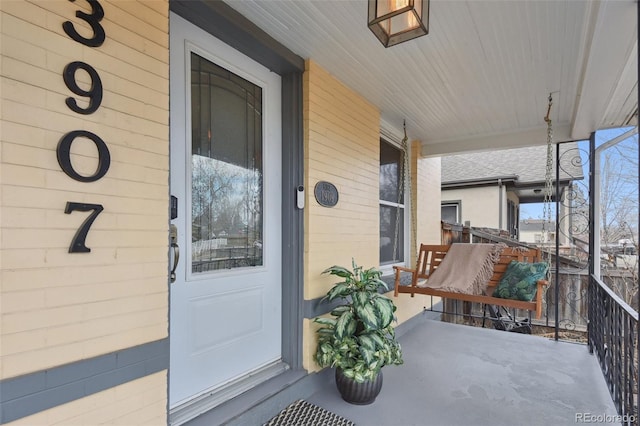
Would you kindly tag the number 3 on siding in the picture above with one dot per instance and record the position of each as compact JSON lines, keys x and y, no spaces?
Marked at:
{"x":93,"y":19}
{"x":78,"y":242}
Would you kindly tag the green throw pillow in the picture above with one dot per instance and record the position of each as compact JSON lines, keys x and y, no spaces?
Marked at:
{"x":519,"y":281}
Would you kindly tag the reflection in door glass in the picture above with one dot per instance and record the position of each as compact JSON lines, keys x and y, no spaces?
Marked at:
{"x":226,"y":169}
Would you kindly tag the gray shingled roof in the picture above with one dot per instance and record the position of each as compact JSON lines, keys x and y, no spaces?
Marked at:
{"x":528,"y":163}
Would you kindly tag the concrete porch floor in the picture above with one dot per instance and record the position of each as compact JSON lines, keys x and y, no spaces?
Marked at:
{"x":462,"y":375}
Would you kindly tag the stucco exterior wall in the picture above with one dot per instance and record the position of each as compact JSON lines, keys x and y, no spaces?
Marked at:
{"x":480,"y":205}
{"x":58,"y":308}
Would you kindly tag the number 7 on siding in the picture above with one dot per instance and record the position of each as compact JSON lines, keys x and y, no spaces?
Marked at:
{"x":78,"y":242}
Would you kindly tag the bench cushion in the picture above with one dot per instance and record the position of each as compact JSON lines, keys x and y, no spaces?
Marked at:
{"x":519,"y":281}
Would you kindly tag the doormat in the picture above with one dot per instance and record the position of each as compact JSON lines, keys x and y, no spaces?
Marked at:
{"x":302,"y":413}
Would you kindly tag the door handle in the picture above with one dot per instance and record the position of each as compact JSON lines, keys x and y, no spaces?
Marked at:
{"x":173,"y":238}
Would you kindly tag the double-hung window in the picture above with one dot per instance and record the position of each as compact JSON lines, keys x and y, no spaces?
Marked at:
{"x":392,"y":207}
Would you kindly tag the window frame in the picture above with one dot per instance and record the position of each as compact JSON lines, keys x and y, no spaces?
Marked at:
{"x":453,"y":203}
{"x":394,"y":139}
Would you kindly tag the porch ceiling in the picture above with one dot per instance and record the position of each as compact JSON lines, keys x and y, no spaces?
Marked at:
{"x":481,"y":78}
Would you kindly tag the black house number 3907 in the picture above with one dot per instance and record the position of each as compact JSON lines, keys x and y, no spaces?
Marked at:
{"x":94,"y":98}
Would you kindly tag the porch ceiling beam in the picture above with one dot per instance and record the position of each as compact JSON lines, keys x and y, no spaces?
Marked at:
{"x":610,"y":43}
{"x":514,"y":139}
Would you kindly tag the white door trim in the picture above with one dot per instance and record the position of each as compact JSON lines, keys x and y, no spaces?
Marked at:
{"x":184,"y":32}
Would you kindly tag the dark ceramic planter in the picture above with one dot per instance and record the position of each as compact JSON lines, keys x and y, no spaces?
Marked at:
{"x":358,"y":393}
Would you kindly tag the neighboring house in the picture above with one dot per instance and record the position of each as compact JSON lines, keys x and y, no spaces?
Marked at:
{"x":623,"y":255}
{"x":537,"y":231}
{"x":488,"y":188}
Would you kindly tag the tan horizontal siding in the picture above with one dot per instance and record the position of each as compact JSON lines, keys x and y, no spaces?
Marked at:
{"x":140,"y":402}
{"x":342,"y":147}
{"x":58,"y":307}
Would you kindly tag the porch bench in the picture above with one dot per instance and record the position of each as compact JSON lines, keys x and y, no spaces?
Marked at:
{"x":430,"y":257}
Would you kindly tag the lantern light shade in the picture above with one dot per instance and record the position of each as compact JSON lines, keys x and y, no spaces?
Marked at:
{"x":396,"y":21}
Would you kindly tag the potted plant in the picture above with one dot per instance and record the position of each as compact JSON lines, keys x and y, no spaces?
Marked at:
{"x":360,"y":339}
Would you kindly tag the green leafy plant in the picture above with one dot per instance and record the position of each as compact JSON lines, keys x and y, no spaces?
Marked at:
{"x":360,"y":339}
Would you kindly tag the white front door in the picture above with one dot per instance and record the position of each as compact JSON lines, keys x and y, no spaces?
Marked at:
{"x":225,"y":310}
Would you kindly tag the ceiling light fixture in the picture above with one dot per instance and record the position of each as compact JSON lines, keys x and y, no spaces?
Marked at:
{"x":396,"y":21}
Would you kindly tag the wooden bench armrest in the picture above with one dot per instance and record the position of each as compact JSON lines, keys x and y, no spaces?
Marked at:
{"x":542,"y":283}
{"x":399,"y":269}
{"x":404,"y":269}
